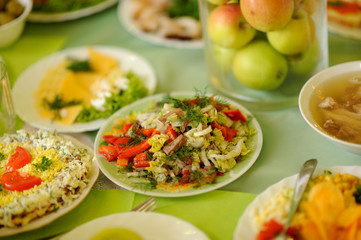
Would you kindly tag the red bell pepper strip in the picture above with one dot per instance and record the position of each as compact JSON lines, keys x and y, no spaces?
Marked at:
{"x":122,"y":142}
{"x":126,"y":128}
{"x":272,"y":228}
{"x":141,"y":160}
{"x":227,"y":132}
{"x":131,"y":151}
{"x":110,"y":138}
{"x":235,"y":115}
{"x":109,"y":152}
{"x":171,"y":133}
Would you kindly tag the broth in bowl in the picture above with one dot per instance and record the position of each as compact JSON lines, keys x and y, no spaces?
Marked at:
{"x":336,"y":107}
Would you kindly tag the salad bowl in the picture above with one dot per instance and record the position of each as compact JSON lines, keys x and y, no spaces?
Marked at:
{"x":110,"y":169}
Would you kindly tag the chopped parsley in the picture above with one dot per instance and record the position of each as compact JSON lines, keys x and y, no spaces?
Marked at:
{"x":357,"y":195}
{"x":183,"y":153}
{"x":45,"y":164}
{"x":80,"y":66}
{"x":1,"y":187}
{"x":180,"y":8}
{"x":2,"y":156}
{"x":58,"y":103}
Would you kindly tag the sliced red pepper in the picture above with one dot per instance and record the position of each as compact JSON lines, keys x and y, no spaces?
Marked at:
{"x":110,"y":138}
{"x":227,"y":132}
{"x":171,"y":133}
{"x":123,"y":162}
{"x":148,"y":132}
{"x":131,"y":151}
{"x":141,"y":160}
{"x":270,"y":230}
{"x":235,"y":115}
{"x":122,"y":142}
{"x":19,"y":181}
{"x":19,"y":159}
{"x":126,"y":128}
{"x":110,"y":152}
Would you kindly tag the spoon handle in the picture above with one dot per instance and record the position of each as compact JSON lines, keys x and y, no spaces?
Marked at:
{"x":301,"y":183}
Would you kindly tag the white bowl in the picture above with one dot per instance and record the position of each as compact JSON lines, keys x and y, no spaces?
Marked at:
{"x":309,"y":89}
{"x":11,"y":31}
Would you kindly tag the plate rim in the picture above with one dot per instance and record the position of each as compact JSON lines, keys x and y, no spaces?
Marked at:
{"x":289,"y":181}
{"x":47,"y":219}
{"x":155,"y":215}
{"x":206,"y":188}
{"x":124,"y":16}
{"x":60,"y":55}
{"x":70,"y":15}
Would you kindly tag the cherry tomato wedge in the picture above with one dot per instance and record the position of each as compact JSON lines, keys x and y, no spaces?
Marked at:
{"x":141,"y":160}
{"x":19,"y":181}
{"x":19,"y":159}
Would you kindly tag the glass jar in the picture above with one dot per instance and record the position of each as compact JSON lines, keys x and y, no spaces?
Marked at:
{"x":261,"y":52}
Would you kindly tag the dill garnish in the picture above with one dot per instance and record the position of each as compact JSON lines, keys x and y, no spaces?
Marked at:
{"x":45,"y":164}
{"x":2,"y":156}
{"x":58,"y":103}
{"x":80,"y":66}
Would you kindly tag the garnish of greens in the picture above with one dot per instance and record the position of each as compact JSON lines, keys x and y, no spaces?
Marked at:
{"x":136,"y":90}
{"x":45,"y":164}
{"x":79,"y":66}
{"x":57,"y":104}
{"x":180,"y":8}
{"x":2,"y":156}
{"x":58,"y":6}
{"x":178,"y":143}
{"x":357,"y":195}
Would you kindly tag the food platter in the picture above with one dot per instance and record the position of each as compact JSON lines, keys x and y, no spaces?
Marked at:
{"x":28,"y":81}
{"x":42,"y":221}
{"x":148,"y":225}
{"x":111,"y":171}
{"x":66,"y":16}
{"x":246,"y":228}
{"x":125,"y":15}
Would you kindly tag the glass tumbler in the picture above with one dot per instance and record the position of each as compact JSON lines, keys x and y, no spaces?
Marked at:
{"x":261,"y":52}
{"x":7,"y":113}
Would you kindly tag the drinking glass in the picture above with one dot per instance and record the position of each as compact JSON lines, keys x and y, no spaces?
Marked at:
{"x":7,"y":113}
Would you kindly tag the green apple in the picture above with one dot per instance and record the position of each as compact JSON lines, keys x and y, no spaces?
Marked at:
{"x":223,"y":56}
{"x":267,"y":15}
{"x":304,"y":62}
{"x":296,"y":36}
{"x":226,"y":27}
{"x":259,"y":66}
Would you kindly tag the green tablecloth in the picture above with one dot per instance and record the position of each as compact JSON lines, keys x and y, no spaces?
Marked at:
{"x":288,"y":140}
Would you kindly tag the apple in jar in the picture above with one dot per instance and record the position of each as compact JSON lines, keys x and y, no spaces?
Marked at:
{"x":258,"y":66}
{"x":296,"y":36}
{"x":267,"y":15}
{"x":228,"y":28}
{"x":223,"y":57}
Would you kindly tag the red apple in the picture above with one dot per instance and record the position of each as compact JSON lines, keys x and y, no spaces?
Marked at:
{"x":267,"y":15}
{"x":227,"y":27}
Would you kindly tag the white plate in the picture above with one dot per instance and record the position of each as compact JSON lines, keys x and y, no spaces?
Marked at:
{"x":66,"y":16}
{"x":42,"y":221}
{"x":125,"y":15}
{"x":28,"y":81}
{"x":246,"y":229}
{"x":148,"y":225}
{"x":111,"y":171}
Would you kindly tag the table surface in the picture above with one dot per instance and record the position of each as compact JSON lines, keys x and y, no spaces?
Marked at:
{"x":288,"y":140}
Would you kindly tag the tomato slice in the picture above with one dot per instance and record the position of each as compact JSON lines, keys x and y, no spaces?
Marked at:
{"x":19,"y":159}
{"x":19,"y":181}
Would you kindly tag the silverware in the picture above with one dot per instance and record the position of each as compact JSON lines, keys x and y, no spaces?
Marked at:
{"x":301,"y":183}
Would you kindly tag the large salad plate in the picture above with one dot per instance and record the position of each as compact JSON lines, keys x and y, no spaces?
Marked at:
{"x":111,"y":171}
{"x":246,"y":228}
{"x":125,"y":15}
{"x":28,"y":82}
{"x":44,"y":220}
{"x":148,"y":225}
{"x":71,"y":15}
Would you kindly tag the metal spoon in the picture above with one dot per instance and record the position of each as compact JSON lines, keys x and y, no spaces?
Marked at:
{"x":301,"y":183}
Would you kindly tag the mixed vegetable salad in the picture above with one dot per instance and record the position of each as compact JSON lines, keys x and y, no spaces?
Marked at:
{"x":58,"y":6}
{"x":177,"y":144}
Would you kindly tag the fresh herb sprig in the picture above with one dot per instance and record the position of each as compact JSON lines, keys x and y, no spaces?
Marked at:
{"x":59,"y":103}
{"x":2,"y":156}
{"x":79,"y":66}
{"x":44,"y":165}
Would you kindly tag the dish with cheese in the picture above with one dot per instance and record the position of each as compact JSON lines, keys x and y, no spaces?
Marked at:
{"x":41,"y":172}
{"x":75,"y":90}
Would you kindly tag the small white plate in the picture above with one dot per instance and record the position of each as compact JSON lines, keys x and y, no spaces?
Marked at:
{"x":246,"y":228}
{"x":111,"y":171}
{"x":125,"y":15}
{"x":28,"y":81}
{"x":148,"y":225}
{"x":66,"y":16}
{"x":42,"y":221}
